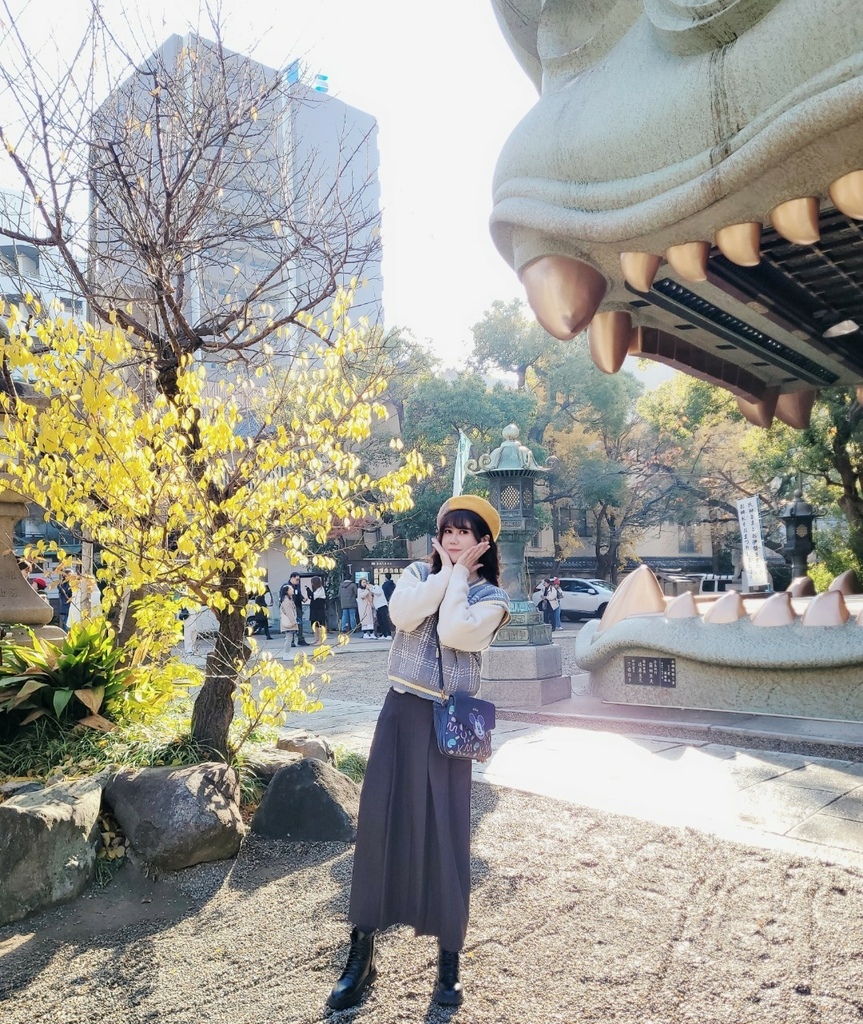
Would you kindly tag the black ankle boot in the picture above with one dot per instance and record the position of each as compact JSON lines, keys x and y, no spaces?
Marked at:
{"x":359,"y":973}
{"x":448,"y":991}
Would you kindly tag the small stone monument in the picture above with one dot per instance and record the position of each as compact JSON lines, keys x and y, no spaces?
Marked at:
{"x":522,"y":668}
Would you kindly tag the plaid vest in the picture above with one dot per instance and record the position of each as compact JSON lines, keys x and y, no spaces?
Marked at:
{"x":414,"y":655}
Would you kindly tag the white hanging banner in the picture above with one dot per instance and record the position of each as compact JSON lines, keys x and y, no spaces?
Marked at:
{"x":754,"y":563}
{"x":460,"y":468}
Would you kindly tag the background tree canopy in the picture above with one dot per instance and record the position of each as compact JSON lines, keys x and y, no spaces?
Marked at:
{"x":627,"y":459}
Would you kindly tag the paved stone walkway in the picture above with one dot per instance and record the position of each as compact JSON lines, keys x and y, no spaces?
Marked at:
{"x":810,"y":805}
{"x":681,"y":768}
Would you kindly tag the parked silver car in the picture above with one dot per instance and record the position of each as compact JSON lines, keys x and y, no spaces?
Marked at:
{"x":582,"y":599}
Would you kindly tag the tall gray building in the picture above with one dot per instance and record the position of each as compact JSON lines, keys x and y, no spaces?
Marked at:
{"x":227,"y":196}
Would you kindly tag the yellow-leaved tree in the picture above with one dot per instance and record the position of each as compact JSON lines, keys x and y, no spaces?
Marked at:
{"x":184,"y":487}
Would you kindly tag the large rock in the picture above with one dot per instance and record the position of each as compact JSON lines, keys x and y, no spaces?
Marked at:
{"x":48,"y":844}
{"x":19,"y":787}
{"x":306,"y":744}
{"x":311,"y":802}
{"x":264,"y":764}
{"x":177,"y":817}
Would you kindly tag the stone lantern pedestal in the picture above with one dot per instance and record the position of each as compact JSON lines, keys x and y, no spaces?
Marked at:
{"x":522,"y":668}
{"x":19,"y":603}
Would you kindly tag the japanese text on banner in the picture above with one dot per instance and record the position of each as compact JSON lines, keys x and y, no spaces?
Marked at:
{"x":754,"y":563}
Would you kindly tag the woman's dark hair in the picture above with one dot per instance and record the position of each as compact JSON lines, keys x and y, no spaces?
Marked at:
{"x":464,"y":519}
{"x":316,"y":582}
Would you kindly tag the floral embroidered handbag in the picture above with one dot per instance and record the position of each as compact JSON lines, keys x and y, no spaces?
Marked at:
{"x":462,"y":723}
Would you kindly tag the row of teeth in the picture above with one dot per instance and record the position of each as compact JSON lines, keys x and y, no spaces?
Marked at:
{"x":641,"y":594}
{"x":566,"y":293}
{"x":795,"y":220}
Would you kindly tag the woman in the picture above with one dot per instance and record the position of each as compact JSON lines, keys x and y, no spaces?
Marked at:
{"x":365,"y":604}
{"x":412,"y":856}
{"x":317,"y":608}
{"x":551,"y":595}
{"x":288,"y":616}
{"x":556,"y":606}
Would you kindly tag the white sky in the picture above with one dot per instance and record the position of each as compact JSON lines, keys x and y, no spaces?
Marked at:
{"x":446,"y":92}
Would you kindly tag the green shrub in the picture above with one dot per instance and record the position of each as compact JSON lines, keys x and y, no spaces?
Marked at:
{"x":70,"y":681}
{"x":821,"y":576}
{"x":87,"y":678}
{"x":834,"y":554}
{"x":153,"y":688}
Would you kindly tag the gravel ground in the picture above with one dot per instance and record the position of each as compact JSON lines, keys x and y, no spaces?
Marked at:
{"x":577,"y":916}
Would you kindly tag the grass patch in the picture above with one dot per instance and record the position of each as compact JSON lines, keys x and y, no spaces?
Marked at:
{"x":48,"y":748}
{"x":251,"y":788}
{"x":350,"y":763}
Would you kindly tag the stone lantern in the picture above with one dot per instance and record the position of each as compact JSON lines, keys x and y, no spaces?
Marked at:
{"x":522,"y":667}
{"x":799,"y":519}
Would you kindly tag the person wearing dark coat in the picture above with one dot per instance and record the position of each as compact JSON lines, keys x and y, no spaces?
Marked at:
{"x":318,"y":608}
{"x":261,"y":616}
{"x":294,"y":580}
{"x":348,"y":602}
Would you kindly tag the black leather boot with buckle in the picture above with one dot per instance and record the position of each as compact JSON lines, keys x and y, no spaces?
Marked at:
{"x":359,"y":973}
{"x":448,"y":991}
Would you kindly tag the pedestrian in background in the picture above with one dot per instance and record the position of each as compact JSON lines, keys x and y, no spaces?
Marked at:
{"x":388,"y":586}
{"x":365,"y":603}
{"x":318,"y":608}
{"x":299,"y":601}
{"x":555,"y":607}
{"x":288,"y":617}
{"x":412,"y":854}
{"x":259,"y":617}
{"x":381,"y":613}
{"x":348,"y":602}
{"x":549,"y":601}
{"x":64,"y":594}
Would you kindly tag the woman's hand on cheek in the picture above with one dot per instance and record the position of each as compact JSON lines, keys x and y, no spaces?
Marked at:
{"x":471,"y":557}
{"x":445,"y":559}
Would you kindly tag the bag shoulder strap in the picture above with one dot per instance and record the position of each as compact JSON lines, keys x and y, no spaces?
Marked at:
{"x":442,"y":692}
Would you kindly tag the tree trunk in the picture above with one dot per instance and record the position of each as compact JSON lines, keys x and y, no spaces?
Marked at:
{"x":214,"y":705}
{"x":126,"y":624}
{"x":613,"y":555}
{"x":853,"y":509}
{"x":606,"y":561}
{"x":851,"y":501}
{"x":715,"y":552}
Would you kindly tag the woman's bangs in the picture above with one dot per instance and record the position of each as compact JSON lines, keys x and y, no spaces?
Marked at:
{"x":462,"y":519}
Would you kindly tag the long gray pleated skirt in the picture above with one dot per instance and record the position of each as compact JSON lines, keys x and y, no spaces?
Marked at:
{"x":412,"y":856}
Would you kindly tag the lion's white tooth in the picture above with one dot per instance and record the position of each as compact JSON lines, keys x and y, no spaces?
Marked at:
{"x":689,"y":260}
{"x":797,"y":220}
{"x":564,"y":293}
